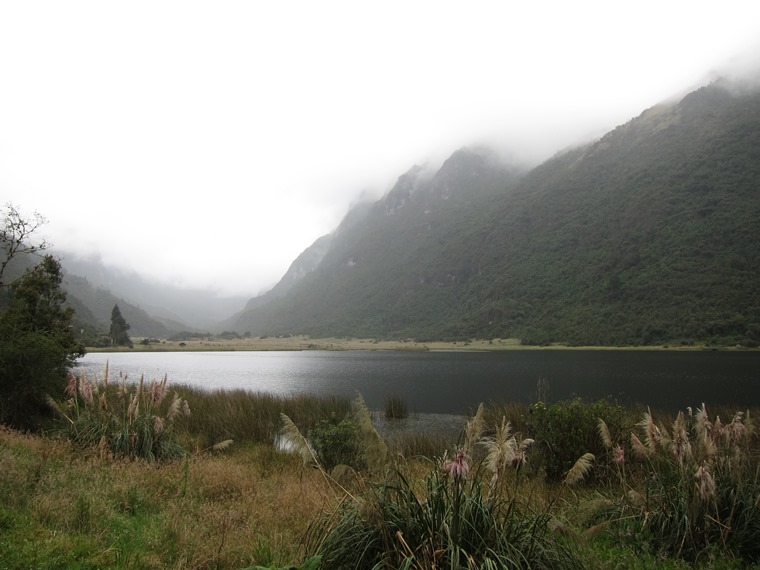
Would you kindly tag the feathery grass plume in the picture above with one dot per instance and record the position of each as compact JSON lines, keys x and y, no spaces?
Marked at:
{"x":705,"y":482}
{"x":293,"y":436}
{"x":474,"y":428}
{"x":222,"y":445}
{"x":604,"y":433}
{"x":579,"y":470}
{"x":736,"y":430}
{"x":71,"y":385}
{"x":680,"y":446}
{"x":503,"y":451}
{"x":375,"y":449}
{"x":174,"y":408}
{"x":652,"y":434}
{"x":702,"y":423}
{"x":641,"y":450}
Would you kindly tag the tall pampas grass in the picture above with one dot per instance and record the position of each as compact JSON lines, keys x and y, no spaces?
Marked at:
{"x":579,"y":470}
{"x":375,"y":448}
{"x":698,"y":484}
{"x":124,"y":420}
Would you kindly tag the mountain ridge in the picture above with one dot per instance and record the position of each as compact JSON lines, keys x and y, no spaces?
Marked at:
{"x":567,"y":252}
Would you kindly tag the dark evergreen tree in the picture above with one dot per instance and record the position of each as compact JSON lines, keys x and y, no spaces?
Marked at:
{"x":37,"y":345}
{"x":119,"y":328}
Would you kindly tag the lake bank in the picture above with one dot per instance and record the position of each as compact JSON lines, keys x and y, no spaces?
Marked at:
{"x":307,"y":343}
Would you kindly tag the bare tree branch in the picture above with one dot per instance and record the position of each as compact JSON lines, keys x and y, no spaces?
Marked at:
{"x":16,"y":236}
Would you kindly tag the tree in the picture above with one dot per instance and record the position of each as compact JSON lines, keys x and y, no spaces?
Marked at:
{"x":119,"y":328}
{"x":37,"y":344}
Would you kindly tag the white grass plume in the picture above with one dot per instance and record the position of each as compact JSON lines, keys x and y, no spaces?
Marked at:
{"x":474,"y":428}
{"x":375,"y":449}
{"x":580,"y":469}
{"x":604,"y":433}
{"x":298,"y":442}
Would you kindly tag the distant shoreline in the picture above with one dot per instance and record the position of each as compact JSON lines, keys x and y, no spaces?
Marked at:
{"x":307,"y":343}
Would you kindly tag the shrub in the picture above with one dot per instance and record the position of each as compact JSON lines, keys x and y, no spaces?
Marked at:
{"x":126,"y":420}
{"x":566,"y":430}
{"x":336,"y":443}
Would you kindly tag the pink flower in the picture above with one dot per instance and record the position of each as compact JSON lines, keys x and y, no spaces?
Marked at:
{"x":619,"y":455}
{"x":459,"y":468}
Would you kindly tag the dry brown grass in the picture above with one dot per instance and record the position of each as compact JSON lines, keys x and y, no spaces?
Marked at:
{"x":245,"y":506}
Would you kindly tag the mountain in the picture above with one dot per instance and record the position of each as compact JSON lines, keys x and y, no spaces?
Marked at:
{"x":178,"y":308}
{"x":647,"y":235}
{"x":93,"y":306}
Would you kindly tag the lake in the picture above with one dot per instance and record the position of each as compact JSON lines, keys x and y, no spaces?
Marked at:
{"x":456,"y":382}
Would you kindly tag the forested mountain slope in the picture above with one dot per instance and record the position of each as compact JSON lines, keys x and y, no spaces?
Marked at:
{"x":648,"y":235}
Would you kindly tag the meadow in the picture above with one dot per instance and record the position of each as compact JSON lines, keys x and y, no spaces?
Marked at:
{"x":158,"y":476}
{"x":303,"y":342}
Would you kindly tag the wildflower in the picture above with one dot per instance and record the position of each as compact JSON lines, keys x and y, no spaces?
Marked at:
{"x":618,"y":455}
{"x":459,"y":468}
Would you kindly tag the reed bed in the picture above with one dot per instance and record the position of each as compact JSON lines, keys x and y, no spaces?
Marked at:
{"x":241,"y":415}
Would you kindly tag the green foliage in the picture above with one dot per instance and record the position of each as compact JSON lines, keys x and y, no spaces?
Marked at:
{"x":337,"y":443}
{"x":565,"y":430}
{"x":126,"y":420}
{"x":36,"y":344}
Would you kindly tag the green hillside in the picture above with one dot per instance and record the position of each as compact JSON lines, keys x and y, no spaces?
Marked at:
{"x":645,"y":236}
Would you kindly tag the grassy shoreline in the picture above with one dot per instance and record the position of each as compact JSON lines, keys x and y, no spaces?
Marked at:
{"x":63,"y":505}
{"x":307,"y":343}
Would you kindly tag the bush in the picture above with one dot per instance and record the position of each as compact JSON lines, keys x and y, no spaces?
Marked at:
{"x":566,"y":430}
{"x":336,"y":444}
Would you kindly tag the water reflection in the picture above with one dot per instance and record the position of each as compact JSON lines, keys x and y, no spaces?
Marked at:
{"x":455,"y":382}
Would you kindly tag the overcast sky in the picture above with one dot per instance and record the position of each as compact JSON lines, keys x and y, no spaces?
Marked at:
{"x":209,"y":143}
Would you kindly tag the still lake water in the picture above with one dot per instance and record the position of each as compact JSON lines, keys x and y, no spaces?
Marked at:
{"x":456,"y":382}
